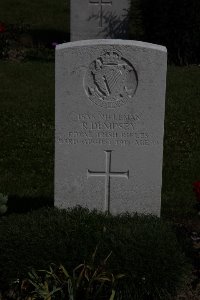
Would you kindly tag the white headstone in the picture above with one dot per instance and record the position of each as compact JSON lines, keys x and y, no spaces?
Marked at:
{"x":110,"y":102}
{"x":98,"y":19}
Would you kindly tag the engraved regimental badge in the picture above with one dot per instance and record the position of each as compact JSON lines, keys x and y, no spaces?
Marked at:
{"x":111,"y":80}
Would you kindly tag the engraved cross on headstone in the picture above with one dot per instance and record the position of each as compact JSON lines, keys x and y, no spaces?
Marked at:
{"x":101,"y":3}
{"x":107,"y":174}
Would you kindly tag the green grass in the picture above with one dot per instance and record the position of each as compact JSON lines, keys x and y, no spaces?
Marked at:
{"x":27,"y":129}
{"x":145,"y":249}
{"x":27,"y":134}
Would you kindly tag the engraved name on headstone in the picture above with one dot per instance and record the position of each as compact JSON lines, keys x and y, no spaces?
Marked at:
{"x":95,"y":19}
{"x":110,"y":102}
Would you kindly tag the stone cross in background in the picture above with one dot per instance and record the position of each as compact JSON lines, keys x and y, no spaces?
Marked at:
{"x":100,"y":4}
{"x":95,"y":19}
{"x":110,"y":104}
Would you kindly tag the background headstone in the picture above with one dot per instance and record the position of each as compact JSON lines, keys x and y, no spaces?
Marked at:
{"x":110,"y":101}
{"x":98,"y":19}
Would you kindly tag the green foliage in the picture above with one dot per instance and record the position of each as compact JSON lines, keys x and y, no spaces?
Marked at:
{"x":10,"y":41}
{"x":3,"y":47}
{"x":40,"y":54}
{"x":143,"y":248}
{"x":19,"y":43}
{"x":181,"y":165}
{"x":136,"y":26}
{"x":31,"y":28}
{"x":173,"y":23}
{"x":45,"y":14}
{"x":88,"y":281}
{"x":3,"y":204}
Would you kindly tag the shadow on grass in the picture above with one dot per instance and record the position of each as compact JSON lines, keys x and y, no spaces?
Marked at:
{"x":17,"y":204}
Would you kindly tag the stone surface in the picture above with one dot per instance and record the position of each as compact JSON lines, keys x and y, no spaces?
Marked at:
{"x":110,"y":101}
{"x":98,"y":19}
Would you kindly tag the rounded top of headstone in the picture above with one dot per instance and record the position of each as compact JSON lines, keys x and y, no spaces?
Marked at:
{"x":138,"y":44}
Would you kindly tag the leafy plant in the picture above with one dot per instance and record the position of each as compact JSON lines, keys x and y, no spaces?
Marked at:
{"x":3,"y":204}
{"x":182,"y":23}
{"x":88,"y":281}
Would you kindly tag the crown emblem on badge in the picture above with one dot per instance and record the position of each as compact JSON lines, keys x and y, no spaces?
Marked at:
{"x":111,"y":57}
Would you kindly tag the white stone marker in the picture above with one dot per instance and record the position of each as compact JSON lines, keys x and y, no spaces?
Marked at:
{"x":95,"y":19}
{"x":110,"y":102}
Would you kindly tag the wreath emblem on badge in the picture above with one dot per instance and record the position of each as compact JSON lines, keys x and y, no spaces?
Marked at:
{"x":111,"y":80}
